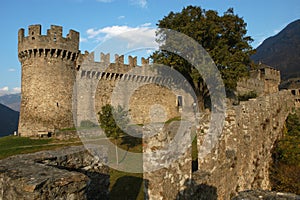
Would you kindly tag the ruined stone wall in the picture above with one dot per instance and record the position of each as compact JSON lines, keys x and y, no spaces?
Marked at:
{"x":240,"y":160}
{"x":170,"y":170}
{"x":48,"y":74}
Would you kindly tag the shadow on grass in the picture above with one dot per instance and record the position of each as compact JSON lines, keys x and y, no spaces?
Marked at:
{"x":126,"y":187}
{"x":131,"y":141}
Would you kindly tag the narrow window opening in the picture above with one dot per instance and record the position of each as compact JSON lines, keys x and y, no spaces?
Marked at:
{"x":54,"y":38}
{"x":57,"y":104}
{"x":179,"y":101}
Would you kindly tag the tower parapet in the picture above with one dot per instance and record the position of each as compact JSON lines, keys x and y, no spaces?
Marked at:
{"x":53,"y":44}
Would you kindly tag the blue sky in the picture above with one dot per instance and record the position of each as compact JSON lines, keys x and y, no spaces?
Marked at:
{"x":97,"y":20}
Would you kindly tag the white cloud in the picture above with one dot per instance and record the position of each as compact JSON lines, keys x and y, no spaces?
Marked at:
{"x":141,"y":35}
{"x":124,"y":40}
{"x":16,"y":90}
{"x":6,"y":90}
{"x":83,"y":39}
{"x":11,"y":70}
{"x":121,"y":17}
{"x":140,"y":3}
{"x":146,"y":24}
{"x":105,"y":1}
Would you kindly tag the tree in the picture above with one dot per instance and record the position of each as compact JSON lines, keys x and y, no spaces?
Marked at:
{"x":223,"y":37}
{"x":113,"y":121}
{"x":285,"y":169}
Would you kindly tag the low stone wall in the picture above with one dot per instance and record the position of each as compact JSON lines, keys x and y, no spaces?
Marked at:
{"x":68,"y":173}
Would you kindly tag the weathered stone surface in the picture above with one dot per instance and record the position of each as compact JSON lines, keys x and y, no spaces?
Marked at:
{"x":69,"y":173}
{"x":48,"y":75}
{"x":240,"y":160}
{"x":265,"y":195}
{"x":264,"y":80}
{"x":172,"y":178}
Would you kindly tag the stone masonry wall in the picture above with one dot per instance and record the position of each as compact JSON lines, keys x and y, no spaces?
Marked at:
{"x":262,"y":81}
{"x":48,"y":74}
{"x":172,"y":170}
{"x":133,"y":87}
{"x":153,"y":103}
{"x":240,"y":160}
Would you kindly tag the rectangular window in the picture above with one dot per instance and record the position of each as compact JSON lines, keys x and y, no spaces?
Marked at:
{"x":179,"y":101}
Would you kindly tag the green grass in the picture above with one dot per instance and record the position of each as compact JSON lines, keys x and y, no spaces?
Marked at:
{"x":178,"y":118}
{"x":124,"y":185}
{"x":14,"y":145}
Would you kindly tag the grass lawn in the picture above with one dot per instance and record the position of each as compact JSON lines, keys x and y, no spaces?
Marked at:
{"x":125,"y":185}
{"x":13,"y":145}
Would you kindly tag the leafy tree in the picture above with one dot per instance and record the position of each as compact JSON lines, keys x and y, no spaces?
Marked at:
{"x":223,"y":37}
{"x":113,"y":121}
{"x":285,"y":170}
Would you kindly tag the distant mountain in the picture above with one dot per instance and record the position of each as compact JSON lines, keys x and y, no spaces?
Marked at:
{"x":282,"y":51}
{"x":12,"y":101}
{"x":8,"y":120}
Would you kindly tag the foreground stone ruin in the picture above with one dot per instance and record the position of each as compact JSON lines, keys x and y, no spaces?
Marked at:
{"x":68,"y":173}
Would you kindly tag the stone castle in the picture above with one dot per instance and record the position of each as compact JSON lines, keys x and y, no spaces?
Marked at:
{"x":51,"y":64}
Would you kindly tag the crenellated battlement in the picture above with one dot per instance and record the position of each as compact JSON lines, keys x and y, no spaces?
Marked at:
{"x":130,"y":72}
{"x":264,"y":80}
{"x":51,"y":44}
{"x":119,"y":59}
{"x":269,"y":73}
{"x":105,"y":65}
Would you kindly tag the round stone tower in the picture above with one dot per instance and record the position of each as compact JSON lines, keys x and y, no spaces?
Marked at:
{"x":48,"y":74}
